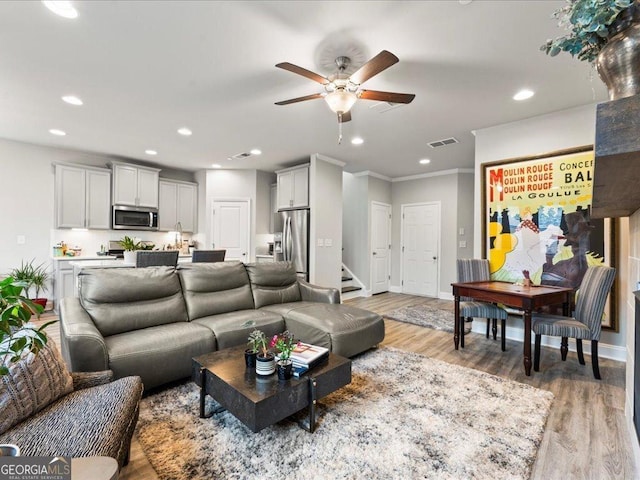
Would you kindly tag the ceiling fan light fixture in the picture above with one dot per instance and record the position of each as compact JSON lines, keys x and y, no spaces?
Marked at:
{"x":340,"y":101}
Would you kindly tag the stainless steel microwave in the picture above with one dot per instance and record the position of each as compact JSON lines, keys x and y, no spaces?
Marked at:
{"x":134,"y":218}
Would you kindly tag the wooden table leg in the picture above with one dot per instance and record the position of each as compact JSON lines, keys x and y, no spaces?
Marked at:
{"x":456,"y":322}
{"x":527,"y":342}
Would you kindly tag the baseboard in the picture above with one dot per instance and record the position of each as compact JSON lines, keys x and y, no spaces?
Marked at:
{"x":516,"y":333}
{"x":446,"y":296}
{"x":395,"y":289}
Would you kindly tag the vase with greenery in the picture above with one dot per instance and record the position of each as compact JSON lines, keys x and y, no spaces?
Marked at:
{"x":17,"y":335}
{"x":604,"y":32}
{"x":33,"y":277}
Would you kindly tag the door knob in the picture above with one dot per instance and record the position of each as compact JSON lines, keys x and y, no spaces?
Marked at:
{"x":375,"y":253}
{"x":434,"y":258}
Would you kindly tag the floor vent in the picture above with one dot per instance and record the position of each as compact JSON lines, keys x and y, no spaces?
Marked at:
{"x":443,"y":142}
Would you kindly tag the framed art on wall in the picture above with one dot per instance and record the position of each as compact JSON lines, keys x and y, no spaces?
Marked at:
{"x":537,"y":218}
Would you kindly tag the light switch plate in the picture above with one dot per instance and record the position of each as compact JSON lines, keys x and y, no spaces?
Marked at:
{"x":328,"y":242}
{"x":21,"y":239}
{"x":461,"y":231}
{"x":462,"y":244}
{"x":320,"y":242}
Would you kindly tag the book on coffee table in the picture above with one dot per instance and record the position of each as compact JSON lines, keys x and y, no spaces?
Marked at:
{"x":306,"y":355}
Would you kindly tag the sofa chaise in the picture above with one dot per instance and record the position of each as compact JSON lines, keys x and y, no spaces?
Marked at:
{"x":150,"y":322}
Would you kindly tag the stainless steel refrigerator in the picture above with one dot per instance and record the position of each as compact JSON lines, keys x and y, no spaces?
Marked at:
{"x":295,"y":239}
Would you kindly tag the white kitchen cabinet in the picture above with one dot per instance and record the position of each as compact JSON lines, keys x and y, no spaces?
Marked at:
{"x":177,"y":204}
{"x":293,"y":187}
{"x":82,"y":197}
{"x":135,"y":185}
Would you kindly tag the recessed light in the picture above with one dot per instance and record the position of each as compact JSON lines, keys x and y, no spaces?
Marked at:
{"x":424,"y":161}
{"x":184,"y":131}
{"x":357,"y":141}
{"x":150,"y":152}
{"x":72,"y":100}
{"x":523,"y":95}
{"x":256,"y":151}
{"x":216,"y":165}
{"x":55,"y":131}
{"x":61,"y":7}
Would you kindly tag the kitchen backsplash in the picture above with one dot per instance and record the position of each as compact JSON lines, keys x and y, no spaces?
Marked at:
{"x":91,"y":240}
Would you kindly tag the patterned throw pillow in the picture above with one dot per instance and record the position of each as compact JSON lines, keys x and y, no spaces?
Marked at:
{"x":32,"y":383}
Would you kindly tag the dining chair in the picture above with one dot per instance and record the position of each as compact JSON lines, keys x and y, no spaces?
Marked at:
{"x":156,"y":258}
{"x":586,"y":324}
{"x":200,"y":256}
{"x":477,"y":270}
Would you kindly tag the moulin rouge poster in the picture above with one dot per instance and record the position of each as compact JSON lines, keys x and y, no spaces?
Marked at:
{"x":538,"y":219}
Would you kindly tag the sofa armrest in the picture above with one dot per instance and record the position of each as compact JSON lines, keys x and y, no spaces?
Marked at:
{"x":313,"y":293}
{"x":83,"y":346}
{"x":91,"y":379}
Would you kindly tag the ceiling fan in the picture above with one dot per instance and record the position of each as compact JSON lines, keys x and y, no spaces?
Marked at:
{"x":342,"y":91}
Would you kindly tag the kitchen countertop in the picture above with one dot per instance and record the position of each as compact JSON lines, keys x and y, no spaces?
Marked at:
{"x":84,"y":257}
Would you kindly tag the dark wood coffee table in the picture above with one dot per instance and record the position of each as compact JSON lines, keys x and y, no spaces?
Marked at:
{"x":257,"y":401}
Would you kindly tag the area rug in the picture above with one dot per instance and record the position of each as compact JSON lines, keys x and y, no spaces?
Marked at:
{"x":403,"y":416}
{"x":426,"y":316}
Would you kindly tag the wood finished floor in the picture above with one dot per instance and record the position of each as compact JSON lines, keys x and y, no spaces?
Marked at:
{"x":586,"y":435}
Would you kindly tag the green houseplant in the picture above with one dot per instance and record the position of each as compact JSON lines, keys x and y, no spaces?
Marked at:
{"x":255,"y":343}
{"x":590,"y":24}
{"x":284,"y":343}
{"x":17,"y":335}
{"x":35,"y":277}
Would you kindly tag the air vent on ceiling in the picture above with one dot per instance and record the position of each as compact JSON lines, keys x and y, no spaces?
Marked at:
{"x":239,"y":156}
{"x":382,"y":107}
{"x":443,"y":142}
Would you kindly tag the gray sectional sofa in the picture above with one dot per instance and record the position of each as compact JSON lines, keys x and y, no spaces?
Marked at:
{"x":150,"y":322}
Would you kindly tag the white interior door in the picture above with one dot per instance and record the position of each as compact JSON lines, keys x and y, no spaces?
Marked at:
{"x":231,"y":228}
{"x":380,"y":245}
{"x":420,"y":240}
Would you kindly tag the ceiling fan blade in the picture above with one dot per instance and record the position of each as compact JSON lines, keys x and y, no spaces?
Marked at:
{"x":304,"y":72}
{"x":377,"y":64}
{"x":300,"y":99}
{"x":390,"y":97}
{"x":344,"y":117}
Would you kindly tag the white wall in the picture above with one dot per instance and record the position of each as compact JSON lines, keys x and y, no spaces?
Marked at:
{"x":355,"y":225}
{"x":465,"y":215}
{"x":229,"y":185}
{"x":441,"y":188}
{"x":325,"y":202}
{"x":633,"y":277}
{"x":547,"y":133}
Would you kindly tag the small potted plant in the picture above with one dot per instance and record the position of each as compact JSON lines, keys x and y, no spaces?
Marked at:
{"x":265,"y":361}
{"x":253,"y":346}
{"x":284,"y":344}
{"x":130,"y":246}
{"x":32,"y":276}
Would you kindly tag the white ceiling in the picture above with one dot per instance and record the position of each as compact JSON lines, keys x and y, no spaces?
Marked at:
{"x":146,"y":68}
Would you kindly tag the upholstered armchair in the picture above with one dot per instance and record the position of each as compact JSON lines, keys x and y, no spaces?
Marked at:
{"x":477,"y":270}
{"x":586,"y":322}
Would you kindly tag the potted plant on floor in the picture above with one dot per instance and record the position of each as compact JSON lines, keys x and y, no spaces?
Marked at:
{"x":284,"y":343}
{"x":32,"y":276}
{"x":265,"y":361}
{"x":17,"y":335}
